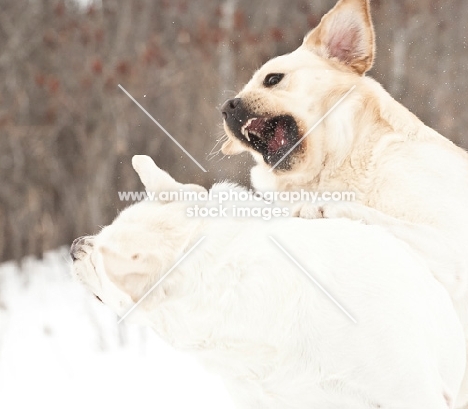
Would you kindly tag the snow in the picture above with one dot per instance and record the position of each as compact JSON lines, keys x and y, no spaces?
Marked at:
{"x":61,"y":348}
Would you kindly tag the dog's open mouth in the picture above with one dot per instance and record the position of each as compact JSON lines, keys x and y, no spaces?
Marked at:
{"x":272,"y":137}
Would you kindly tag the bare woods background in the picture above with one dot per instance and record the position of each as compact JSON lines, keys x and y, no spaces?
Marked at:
{"x":67,"y":132}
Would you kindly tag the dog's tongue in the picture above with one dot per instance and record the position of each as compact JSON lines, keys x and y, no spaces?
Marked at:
{"x":279,"y":137}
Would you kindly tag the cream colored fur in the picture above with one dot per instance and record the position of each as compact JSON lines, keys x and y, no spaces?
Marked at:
{"x":407,"y":177}
{"x":240,"y":305}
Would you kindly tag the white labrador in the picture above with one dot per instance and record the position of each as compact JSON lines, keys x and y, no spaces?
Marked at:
{"x":240,"y":304}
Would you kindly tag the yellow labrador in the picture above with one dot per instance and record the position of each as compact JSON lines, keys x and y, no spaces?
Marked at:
{"x":313,"y":120}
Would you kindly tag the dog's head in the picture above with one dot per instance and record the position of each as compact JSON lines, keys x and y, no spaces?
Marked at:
{"x":274,"y":117}
{"x":121,"y":263}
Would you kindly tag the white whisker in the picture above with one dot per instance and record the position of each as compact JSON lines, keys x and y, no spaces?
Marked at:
{"x":213,"y":153}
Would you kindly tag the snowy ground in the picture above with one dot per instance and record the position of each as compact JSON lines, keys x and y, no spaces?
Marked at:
{"x":60,"y":348}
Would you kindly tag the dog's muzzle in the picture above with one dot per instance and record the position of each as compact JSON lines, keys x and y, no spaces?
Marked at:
{"x":274,"y":137}
{"x":76,"y":249}
{"x":229,"y":106}
{"x":234,"y":113}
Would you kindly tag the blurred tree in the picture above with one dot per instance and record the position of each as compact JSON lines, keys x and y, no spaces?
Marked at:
{"x":67,"y":132}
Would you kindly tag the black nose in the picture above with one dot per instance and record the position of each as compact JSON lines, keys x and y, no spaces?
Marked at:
{"x":229,"y":107}
{"x":75,"y":247}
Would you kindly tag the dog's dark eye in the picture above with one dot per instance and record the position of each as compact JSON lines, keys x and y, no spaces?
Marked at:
{"x":97,"y":298}
{"x":272,"y":79}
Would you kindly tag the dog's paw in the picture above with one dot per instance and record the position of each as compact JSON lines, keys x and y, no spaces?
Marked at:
{"x":308,"y":211}
{"x":335,"y":210}
{"x":345,"y":210}
{"x":81,"y":247}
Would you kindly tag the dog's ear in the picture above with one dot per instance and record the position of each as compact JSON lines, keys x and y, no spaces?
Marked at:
{"x":130,"y":273}
{"x":345,"y":34}
{"x":156,"y":180}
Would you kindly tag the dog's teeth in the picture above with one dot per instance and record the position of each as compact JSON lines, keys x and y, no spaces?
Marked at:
{"x":244,"y":130}
{"x":250,"y":121}
{"x":245,"y":133}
